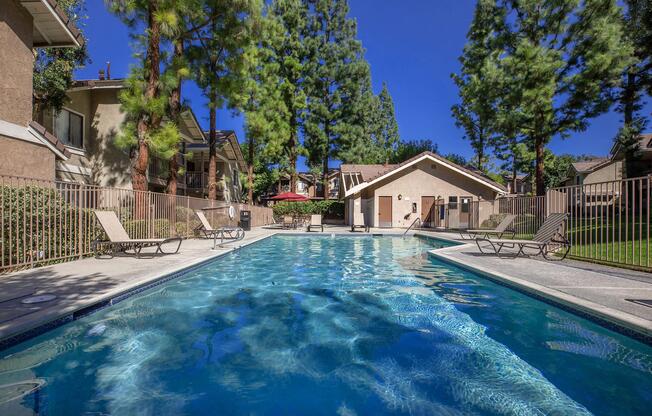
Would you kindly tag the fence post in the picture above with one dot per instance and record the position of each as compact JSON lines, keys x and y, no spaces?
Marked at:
{"x":188,"y":234}
{"x":80,"y":222}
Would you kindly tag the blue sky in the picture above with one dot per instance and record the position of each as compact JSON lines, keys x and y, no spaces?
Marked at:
{"x":413,"y":45}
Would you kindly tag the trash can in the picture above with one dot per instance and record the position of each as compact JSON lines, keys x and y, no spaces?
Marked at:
{"x":245,"y":220}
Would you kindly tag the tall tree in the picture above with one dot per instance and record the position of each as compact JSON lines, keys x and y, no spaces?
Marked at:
{"x":217,"y":60}
{"x":266,"y":117}
{"x":563,"y":60}
{"x":142,"y":100}
{"x":333,"y":54}
{"x":54,"y":67}
{"x":478,"y":79}
{"x":637,"y":80}
{"x":387,"y":138}
{"x":408,"y":149}
{"x":288,"y":51}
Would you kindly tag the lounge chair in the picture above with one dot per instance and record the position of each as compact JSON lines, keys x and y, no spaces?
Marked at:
{"x":547,"y":240}
{"x":289,"y":222}
{"x":315,"y":222}
{"x":119,"y":239}
{"x":501,"y":229}
{"x":224,"y":233}
{"x":358,"y":222}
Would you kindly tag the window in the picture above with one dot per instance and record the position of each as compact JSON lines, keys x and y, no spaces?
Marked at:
{"x":466,"y":205}
{"x":69,"y":128}
{"x":452,"y":202}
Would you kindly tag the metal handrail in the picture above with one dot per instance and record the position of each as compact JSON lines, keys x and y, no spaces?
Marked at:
{"x":417,"y":219}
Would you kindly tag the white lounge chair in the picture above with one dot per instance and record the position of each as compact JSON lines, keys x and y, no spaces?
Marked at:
{"x":119,"y":240}
{"x":315,"y":222}
{"x":224,"y":233}
{"x":548,"y":239}
{"x":358,"y":222}
{"x":500,"y":230}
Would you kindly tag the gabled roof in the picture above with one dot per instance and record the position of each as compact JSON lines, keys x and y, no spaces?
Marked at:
{"x":644,"y":145}
{"x":376,"y":174}
{"x":34,"y":133}
{"x":233,"y":150}
{"x":52,"y":27}
{"x":587,"y":166}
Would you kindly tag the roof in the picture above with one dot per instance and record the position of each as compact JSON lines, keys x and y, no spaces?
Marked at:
{"x":368,"y":172}
{"x":34,"y":133}
{"x":587,"y":166}
{"x":377,"y":172}
{"x":233,"y":152}
{"x":93,"y":84}
{"x":644,"y":145}
{"x":52,"y":27}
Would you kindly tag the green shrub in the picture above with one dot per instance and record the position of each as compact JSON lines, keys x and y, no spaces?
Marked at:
{"x":328,"y":208}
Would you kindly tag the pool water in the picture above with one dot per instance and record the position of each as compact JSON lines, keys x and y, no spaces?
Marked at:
{"x":328,"y":326}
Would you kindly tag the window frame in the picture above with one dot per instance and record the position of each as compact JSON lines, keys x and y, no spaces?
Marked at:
{"x":66,"y":141}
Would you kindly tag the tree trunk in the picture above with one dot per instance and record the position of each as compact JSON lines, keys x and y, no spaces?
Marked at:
{"x":629,"y":105}
{"x":514,"y":173}
{"x":480,"y":154}
{"x":175,"y":112}
{"x":540,"y":183}
{"x":212,"y":144}
{"x":292,"y":147}
{"x":144,"y":124}
{"x":250,"y":171}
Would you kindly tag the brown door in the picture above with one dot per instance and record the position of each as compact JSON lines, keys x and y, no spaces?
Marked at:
{"x":427,"y":214}
{"x":465,"y":211}
{"x":384,"y":211}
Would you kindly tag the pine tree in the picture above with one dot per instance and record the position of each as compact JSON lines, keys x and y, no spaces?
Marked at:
{"x":141,"y":100}
{"x":637,"y":80}
{"x":562,"y":61}
{"x":478,"y":79}
{"x":333,"y":54}
{"x":287,"y":50}
{"x":387,"y":137}
{"x":217,"y":61}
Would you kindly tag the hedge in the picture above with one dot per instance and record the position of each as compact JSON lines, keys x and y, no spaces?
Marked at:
{"x":327,"y":208}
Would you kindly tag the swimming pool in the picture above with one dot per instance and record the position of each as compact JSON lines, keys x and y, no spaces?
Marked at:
{"x":320,"y":325}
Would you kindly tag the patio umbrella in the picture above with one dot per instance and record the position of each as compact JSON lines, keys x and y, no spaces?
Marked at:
{"x":290,"y":196}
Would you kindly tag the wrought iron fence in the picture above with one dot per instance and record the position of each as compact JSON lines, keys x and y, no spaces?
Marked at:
{"x":609,"y":222}
{"x":43,"y":222}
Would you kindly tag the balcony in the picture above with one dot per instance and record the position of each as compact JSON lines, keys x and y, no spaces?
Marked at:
{"x":196,"y":180}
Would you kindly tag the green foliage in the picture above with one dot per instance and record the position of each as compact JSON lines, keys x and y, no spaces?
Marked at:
{"x":456,"y":158}
{"x":479,"y":81}
{"x":49,"y":226}
{"x":328,"y":208}
{"x":54,"y":67}
{"x":409,"y":149}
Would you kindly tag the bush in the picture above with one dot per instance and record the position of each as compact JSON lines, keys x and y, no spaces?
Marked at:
{"x":327,"y":208}
{"x":38,"y":224}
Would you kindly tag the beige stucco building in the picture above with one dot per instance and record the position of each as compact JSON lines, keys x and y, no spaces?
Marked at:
{"x":89,"y":122}
{"x":594,"y":171}
{"x":28,"y":151}
{"x":427,"y":187}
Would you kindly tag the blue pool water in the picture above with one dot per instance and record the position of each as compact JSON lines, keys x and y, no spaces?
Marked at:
{"x":328,"y":326}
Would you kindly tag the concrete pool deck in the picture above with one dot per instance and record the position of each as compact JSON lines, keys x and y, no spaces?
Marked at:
{"x":84,"y":284}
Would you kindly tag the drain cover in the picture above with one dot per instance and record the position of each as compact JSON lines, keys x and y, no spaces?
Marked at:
{"x":46,"y":297}
{"x":644,"y":302}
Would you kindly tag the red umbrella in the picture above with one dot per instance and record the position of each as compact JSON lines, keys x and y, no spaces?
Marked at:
{"x":290,"y":196}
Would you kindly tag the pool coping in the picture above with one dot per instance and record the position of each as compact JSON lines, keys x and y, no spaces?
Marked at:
{"x":615,"y":320}
{"x":68,"y":314}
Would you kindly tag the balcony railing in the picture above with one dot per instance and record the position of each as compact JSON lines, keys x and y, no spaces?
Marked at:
{"x":196,"y":180}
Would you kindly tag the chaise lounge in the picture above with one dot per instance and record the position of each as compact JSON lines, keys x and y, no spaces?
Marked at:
{"x":119,"y":240}
{"x":501,"y":230}
{"x":315,"y":222}
{"x":358,"y":222}
{"x":224,"y":233}
{"x":548,"y":239}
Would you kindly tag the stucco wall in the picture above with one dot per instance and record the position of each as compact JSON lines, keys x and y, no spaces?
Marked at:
{"x":610,"y":172}
{"x":16,"y":63}
{"x":424,"y":179}
{"x":21,"y":158}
